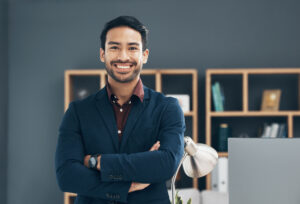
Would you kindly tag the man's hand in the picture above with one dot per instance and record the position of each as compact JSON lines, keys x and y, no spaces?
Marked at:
{"x":140,"y":186}
{"x":155,"y":146}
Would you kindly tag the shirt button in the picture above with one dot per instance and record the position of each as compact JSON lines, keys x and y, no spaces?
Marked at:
{"x":129,"y":102}
{"x":119,"y":131}
{"x":121,"y":109}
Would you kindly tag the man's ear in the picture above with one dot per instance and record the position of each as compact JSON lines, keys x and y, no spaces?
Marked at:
{"x":102,"y":53}
{"x":145,"y":56}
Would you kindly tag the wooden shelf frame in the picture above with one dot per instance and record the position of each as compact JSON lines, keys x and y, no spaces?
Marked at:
{"x":158,"y":73}
{"x":245,"y":112}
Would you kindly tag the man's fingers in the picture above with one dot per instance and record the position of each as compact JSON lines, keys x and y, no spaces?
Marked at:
{"x":86,"y":160}
{"x":138,"y":186}
{"x":155,"y":146}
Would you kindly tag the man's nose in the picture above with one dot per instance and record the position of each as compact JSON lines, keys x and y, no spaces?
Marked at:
{"x":123,"y":55}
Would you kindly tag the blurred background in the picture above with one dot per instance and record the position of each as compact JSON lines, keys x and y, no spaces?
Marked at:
{"x":40,"y":39}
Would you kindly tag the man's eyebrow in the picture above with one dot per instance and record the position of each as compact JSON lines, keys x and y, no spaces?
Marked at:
{"x":117,"y":43}
{"x":113,"y":43}
{"x":133,"y":43}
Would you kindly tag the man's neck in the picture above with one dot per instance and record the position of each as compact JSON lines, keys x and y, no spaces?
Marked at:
{"x":123,"y":91}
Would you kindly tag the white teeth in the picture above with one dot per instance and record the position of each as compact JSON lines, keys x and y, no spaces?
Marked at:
{"x":123,"y":67}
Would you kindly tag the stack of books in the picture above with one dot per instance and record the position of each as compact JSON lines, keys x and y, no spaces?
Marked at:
{"x":274,"y":130}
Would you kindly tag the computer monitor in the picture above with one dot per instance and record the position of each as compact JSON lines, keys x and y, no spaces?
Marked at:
{"x":264,"y":171}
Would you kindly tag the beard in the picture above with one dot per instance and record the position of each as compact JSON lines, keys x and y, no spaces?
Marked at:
{"x":111,"y":72}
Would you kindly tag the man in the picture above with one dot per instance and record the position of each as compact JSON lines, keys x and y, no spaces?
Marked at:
{"x":123,"y":143}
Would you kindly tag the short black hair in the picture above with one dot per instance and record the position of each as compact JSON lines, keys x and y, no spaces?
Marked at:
{"x":129,"y":21}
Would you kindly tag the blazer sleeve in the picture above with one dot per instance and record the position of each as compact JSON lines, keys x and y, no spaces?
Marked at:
{"x":154,"y":166}
{"x":72,"y":175}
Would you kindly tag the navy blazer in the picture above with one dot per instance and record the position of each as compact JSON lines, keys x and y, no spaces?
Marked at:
{"x":89,"y":127}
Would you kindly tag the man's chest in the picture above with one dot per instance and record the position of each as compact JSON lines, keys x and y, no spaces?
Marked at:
{"x":138,"y":134}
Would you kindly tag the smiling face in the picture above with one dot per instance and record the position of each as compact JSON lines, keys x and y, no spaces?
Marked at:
{"x":123,"y":55}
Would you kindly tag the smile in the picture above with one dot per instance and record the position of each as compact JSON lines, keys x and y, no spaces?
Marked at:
{"x":123,"y":67}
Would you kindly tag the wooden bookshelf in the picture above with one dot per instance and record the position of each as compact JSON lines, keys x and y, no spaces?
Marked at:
{"x":248,"y":84}
{"x":161,"y":80}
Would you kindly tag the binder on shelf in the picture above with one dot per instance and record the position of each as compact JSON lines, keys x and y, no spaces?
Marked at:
{"x":223,"y":174}
{"x":214,"y":178}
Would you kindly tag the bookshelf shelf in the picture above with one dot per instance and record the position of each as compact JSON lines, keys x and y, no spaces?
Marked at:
{"x":243,"y":95}
{"x":223,"y":154}
{"x":167,"y":81}
{"x":253,"y":113}
{"x":189,"y":113}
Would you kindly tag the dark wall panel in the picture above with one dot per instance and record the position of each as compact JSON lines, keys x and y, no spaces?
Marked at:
{"x":3,"y":97}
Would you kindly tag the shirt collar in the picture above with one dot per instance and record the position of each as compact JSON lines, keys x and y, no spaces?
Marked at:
{"x":138,"y":91}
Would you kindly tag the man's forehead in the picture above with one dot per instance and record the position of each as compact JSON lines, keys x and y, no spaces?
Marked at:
{"x":123,"y":34}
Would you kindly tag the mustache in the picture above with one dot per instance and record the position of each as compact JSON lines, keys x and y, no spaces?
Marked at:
{"x":120,"y":61}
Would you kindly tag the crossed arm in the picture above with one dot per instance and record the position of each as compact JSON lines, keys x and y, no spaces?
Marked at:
{"x":135,"y":186}
{"x":120,"y":173}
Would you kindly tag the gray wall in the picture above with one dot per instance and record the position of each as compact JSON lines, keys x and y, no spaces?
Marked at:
{"x":48,"y":37}
{"x":3,"y":97}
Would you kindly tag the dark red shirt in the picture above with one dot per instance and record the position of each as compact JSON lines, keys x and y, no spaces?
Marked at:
{"x":122,"y":112}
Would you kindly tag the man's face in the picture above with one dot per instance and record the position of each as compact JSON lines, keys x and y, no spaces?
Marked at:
{"x":123,"y":55}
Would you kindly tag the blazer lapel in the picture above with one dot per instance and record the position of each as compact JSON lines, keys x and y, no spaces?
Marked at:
{"x":135,"y":112}
{"x":106,"y":111}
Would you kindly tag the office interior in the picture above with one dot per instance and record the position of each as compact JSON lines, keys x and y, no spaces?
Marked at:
{"x":41,"y":39}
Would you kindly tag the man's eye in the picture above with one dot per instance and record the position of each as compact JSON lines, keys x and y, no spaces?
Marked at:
{"x":114,"y":48}
{"x":132,"y":48}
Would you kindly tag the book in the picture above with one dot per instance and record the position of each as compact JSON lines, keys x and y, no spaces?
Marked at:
{"x":218,"y":97}
{"x":274,"y":130}
{"x":215,"y":97}
{"x":282,"y":131}
{"x":223,"y":134}
{"x":284,"y":134}
{"x":266,"y":131}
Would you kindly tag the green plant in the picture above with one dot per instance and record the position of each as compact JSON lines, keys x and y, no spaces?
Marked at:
{"x":178,"y":199}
